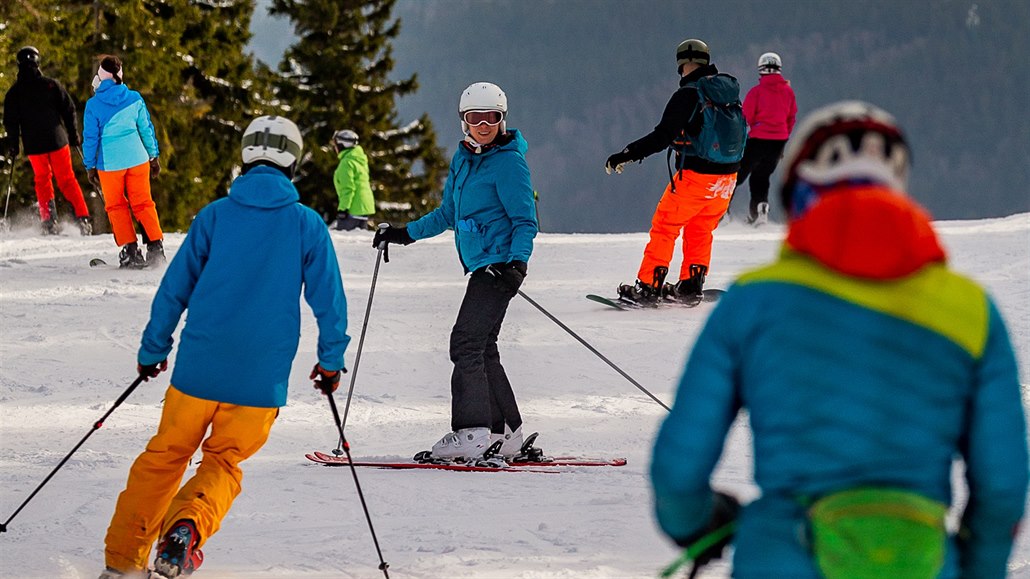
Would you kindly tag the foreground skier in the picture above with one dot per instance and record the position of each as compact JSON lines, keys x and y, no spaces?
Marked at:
{"x":240,"y":271}
{"x":488,"y":202}
{"x":866,"y":366}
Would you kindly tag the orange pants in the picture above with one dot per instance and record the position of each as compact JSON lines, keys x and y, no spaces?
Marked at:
{"x":152,"y":499}
{"x":693,"y":203}
{"x":47,"y":166}
{"x":125,"y":189}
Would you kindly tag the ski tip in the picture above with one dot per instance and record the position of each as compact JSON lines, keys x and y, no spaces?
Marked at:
{"x":97,"y":262}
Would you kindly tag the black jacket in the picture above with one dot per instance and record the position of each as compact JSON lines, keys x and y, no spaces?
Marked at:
{"x":676,"y":119}
{"x":39,"y":111}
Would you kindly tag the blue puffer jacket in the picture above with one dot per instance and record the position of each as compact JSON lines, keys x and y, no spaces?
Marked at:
{"x":240,"y":272}
{"x":116,"y":129}
{"x":488,"y":202}
{"x":851,"y":380}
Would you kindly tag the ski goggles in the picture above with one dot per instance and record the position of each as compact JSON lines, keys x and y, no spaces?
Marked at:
{"x":476,"y":118}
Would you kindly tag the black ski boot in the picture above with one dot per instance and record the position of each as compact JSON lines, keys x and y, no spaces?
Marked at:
{"x":131,"y":257}
{"x":156,"y":253}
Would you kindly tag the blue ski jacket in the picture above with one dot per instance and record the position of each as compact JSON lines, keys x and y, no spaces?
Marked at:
{"x":488,"y":202}
{"x":879,"y":378}
{"x":116,"y":129}
{"x":240,"y":272}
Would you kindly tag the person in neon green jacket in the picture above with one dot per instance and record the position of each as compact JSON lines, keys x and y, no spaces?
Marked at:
{"x":351,"y":182}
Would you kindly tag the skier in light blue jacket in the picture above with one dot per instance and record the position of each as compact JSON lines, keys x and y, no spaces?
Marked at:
{"x":488,"y":202}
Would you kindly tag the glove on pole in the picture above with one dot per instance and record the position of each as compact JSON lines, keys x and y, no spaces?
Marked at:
{"x":383,"y":565}
{"x":96,"y":426}
{"x":361,"y":340}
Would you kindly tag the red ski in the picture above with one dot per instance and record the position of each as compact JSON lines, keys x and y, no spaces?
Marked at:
{"x":548,"y":464}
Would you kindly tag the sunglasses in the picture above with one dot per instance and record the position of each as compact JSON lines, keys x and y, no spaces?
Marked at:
{"x":476,"y":118}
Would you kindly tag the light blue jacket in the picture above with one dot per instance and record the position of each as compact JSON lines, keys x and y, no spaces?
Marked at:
{"x":240,"y":272}
{"x":488,"y":202}
{"x":116,"y":129}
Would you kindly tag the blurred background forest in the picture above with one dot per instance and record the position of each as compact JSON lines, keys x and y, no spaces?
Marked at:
{"x":583,"y":78}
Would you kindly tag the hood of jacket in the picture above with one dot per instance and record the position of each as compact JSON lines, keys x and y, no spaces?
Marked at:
{"x":773,"y":82}
{"x":113,"y":94}
{"x":263,"y":187}
{"x":867,"y":231}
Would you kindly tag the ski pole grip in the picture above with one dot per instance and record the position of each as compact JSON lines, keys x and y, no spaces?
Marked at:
{"x":384,"y":246}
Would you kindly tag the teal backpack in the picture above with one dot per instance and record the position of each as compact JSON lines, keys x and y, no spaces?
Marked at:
{"x":724,"y":130}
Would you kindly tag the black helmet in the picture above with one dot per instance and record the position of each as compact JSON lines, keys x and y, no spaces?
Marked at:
{"x":28,"y":56}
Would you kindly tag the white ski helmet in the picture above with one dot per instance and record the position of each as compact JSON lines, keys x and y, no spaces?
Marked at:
{"x":769,"y":63}
{"x":845,"y":141}
{"x":345,"y":139}
{"x":276,"y":140}
{"x":482,"y":96}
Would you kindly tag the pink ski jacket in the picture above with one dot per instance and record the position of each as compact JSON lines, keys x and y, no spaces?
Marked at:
{"x":770,"y":108}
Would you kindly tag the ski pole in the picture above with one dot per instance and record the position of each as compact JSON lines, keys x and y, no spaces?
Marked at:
{"x":383,"y":565}
{"x":10,"y":186}
{"x":361,"y":340}
{"x":96,"y":426}
{"x":492,"y":271}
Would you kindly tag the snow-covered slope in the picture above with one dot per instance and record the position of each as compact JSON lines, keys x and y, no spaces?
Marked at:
{"x":68,"y":337}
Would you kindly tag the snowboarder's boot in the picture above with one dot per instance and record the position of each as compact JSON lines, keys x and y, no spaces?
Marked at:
{"x":645,"y":293}
{"x":690,"y":289}
{"x":131,"y":257}
{"x":156,"y":253}
{"x":760,"y":216}
{"x":177,"y":553}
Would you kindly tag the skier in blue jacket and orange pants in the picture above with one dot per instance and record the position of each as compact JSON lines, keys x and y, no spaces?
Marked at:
{"x":240,"y":272}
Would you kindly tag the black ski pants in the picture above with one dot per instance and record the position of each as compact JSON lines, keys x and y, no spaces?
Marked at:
{"x":760,"y":159}
{"x":481,"y":395}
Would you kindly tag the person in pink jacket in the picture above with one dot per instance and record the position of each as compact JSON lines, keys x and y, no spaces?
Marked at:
{"x":770,"y":110}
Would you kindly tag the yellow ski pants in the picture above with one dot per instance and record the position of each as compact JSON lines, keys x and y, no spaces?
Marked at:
{"x":152,"y":499}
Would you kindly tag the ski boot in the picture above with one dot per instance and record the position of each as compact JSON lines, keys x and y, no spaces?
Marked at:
{"x":85,"y":226}
{"x":530,"y":453}
{"x":760,"y":215}
{"x":156,"y":253}
{"x":177,"y":553}
{"x":131,"y":257}
{"x":511,"y":441}
{"x":464,"y":445}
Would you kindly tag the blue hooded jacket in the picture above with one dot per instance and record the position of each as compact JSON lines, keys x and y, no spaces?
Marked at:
{"x":488,"y":202}
{"x":116,"y":129}
{"x":240,"y":272}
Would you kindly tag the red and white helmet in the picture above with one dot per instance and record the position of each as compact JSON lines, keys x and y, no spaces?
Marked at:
{"x":845,"y":142}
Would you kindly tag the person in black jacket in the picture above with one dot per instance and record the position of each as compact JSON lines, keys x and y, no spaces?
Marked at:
{"x":39,"y":111}
{"x":697,"y":195}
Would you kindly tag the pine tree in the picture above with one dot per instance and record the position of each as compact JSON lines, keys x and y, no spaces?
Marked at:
{"x":336,"y":77}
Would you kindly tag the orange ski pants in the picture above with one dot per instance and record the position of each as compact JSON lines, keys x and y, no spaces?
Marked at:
{"x":56,"y":164}
{"x":692,"y":203}
{"x":125,"y":190}
{"x":152,"y":499}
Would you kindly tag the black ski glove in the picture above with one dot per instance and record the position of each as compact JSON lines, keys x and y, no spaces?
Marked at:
{"x":148,"y":371}
{"x":392,"y":235}
{"x":93,"y":177}
{"x":326,"y":380}
{"x":616,"y":161}
{"x":510,"y":275}
{"x":707,"y":544}
{"x":155,"y":167}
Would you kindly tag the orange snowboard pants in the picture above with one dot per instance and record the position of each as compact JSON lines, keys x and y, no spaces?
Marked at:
{"x":152,"y":499}
{"x":56,"y":164}
{"x":125,"y":190}
{"x":692,"y":203}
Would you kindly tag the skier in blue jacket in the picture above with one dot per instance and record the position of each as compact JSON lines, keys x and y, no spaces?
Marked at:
{"x":488,"y":202}
{"x":866,"y":366}
{"x":240,"y":273}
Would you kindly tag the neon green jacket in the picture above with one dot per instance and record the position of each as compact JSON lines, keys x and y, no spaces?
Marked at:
{"x":351,"y":181}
